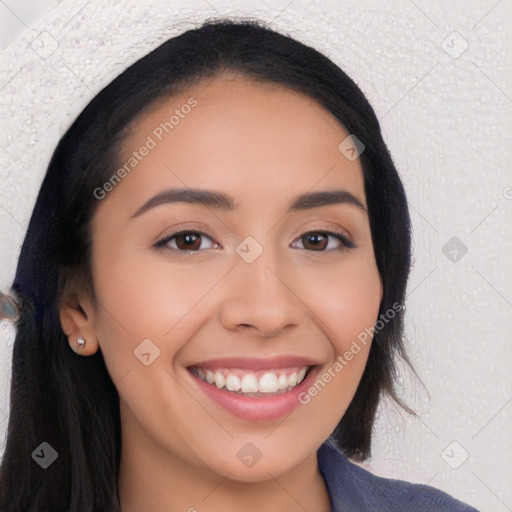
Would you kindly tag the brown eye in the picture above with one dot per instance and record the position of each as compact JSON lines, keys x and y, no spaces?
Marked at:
{"x":319,"y":241}
{"x":315,"y":241}
{"x":185,"y":241}
{"x":188,"y":241}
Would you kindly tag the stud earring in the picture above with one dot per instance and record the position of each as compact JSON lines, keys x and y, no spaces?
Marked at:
{"x":80,"y":342}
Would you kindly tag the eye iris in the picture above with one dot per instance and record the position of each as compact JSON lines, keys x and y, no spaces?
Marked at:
{"x":315,"y":238}
{"x":189,"y":239}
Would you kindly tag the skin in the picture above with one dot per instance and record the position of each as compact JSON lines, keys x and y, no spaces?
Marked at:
{"x":263,"y":145}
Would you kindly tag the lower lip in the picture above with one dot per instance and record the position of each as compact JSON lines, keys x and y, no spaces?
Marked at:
{"x":255,"y":408}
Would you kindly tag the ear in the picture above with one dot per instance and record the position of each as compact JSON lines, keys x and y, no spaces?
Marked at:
{"x":77,"y":320}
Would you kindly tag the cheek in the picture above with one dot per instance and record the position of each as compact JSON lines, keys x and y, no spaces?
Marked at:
{"x":346,"y":302}
{"x":146,"y":297}
{"x":346,"y":297}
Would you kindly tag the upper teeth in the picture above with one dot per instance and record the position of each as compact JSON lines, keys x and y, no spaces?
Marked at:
{"x":248,"y":382}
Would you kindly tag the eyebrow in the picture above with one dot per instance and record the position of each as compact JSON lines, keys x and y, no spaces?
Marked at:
{"x":221,"y":201}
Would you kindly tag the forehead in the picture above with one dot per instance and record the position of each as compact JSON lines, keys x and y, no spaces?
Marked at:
{"x":256,"y":140}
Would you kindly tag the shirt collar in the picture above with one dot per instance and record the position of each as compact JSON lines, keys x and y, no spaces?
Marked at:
{"x":337,"y":470}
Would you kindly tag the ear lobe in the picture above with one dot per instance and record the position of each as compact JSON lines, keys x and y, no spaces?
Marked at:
{"x":75,"y":322}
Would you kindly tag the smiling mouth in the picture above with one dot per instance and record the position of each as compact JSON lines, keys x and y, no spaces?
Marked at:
{"x":261,"y":383}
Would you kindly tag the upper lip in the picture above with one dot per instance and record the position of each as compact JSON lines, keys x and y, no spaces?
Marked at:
{"x":257,"y":363}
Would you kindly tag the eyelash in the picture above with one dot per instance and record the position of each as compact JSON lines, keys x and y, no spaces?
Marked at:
{"x":162,"y":243}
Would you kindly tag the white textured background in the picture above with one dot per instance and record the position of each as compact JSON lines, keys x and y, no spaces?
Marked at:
{"x":439,"y":77}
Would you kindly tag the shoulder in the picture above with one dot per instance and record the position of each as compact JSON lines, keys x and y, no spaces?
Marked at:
{"x":353,"y":488}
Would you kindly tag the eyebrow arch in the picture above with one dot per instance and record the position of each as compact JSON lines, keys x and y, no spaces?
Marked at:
{"x":219,"y":200}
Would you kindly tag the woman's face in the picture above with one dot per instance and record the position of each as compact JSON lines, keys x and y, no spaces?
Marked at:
{"x":262,"y":283}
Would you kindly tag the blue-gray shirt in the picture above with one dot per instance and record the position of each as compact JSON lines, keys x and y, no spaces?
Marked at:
{"x":354,"y":489}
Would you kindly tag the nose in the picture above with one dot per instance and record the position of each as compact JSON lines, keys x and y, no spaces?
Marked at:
{"x":259,"y":298}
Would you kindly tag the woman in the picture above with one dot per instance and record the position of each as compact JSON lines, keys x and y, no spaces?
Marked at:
{"x":210,"y":292}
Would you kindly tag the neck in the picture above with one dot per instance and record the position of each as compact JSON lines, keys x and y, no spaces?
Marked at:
{"x":154,"y":480}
